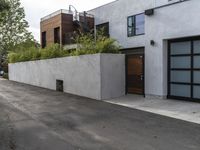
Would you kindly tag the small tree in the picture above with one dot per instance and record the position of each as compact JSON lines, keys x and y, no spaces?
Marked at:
{"x":13,"y":27}
{"x":4,"y":5}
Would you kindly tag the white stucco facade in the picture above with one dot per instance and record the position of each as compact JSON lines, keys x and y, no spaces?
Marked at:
{"x":168,"y":22}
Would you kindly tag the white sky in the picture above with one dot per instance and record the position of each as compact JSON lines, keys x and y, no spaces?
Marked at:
{"x":36,"y":9}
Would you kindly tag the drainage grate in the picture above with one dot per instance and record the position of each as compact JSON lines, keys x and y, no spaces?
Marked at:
{"x":59,"y":85}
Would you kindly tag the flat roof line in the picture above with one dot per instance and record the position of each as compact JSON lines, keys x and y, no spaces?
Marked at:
{"x":64,"y":11}
{"x":102,"y":5}
{"x":56,"y":13}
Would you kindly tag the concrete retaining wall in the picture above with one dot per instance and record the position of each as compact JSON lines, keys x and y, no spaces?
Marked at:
{"x":98,"y":76}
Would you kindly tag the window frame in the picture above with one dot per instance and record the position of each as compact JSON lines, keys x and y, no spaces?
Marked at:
{"x":134,"y":26}
{"x":57,"y":38}
{"x":105,"y":25}
{"x":44,"y":39}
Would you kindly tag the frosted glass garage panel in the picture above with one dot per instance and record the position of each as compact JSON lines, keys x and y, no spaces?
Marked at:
{"x":181,"y":62}
{"x":196,"y":92}
{"x":180,"y":90}
{"x":181,"y":76}
{"x":197,"y":47}
{"x":196,"y":61}
{"x":181,"y":48}
{"x":196,"y":77}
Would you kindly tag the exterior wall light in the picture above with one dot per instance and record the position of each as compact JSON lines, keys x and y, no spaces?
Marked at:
{"x":152,"y":42}
{"x":149,"y":12}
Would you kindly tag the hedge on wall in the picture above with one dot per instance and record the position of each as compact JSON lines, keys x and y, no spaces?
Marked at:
{"x":87,"y":44}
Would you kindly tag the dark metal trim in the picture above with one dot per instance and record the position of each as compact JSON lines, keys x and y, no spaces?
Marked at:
{"x":180,"y":55}
{"x":183,"y":98}
{"x":126,"y":71}
{"x":180,"y":69}
{"x":181,"y":1}
{"x":144,"y":74}
{"x":185,"y":39}
{"x":192,"y":66}
{"x":135,"y":50}
{"x":191,"y":69}
{"x":168,"y":69}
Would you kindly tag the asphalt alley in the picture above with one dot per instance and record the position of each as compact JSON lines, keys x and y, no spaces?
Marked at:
{"x":33,"y":118}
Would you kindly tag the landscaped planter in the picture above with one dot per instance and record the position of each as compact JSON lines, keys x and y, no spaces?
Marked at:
{"x":98,"y":76}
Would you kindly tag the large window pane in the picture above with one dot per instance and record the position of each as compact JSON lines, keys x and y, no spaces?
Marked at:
{"x":196,"y":92}
{"x":131,"y":26}
{"x":139,"y":24}
{"x":135,"y":25}
{"x":197,"y":47}
{"x":130,"y":31}
{"x":181,"y":62}
{"x":197,"y":77}
{"x":180,"y":90}
{"x":181,"y":76}
{"x":197,"y":62}
{"x":181,"y":48}
{"x":130,"y":21}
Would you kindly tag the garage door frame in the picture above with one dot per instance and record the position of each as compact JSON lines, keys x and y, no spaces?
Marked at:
{"x":192,"y":69}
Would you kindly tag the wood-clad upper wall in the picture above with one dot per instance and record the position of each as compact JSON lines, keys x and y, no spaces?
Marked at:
{"x":48,"y":27}
{"x":67,"y":26}
{"x":65,"y":22}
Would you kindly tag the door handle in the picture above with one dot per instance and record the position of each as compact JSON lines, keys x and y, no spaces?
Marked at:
{"x":141,"y":77}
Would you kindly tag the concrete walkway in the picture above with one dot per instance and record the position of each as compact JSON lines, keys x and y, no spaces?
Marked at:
{"x":187,"y":111}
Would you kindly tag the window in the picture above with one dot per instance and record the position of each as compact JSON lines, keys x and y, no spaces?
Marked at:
{"x":136,"y":25}
{"x":105,"y":27}
{"x":57,"y":35}
{"x":44,"y":42}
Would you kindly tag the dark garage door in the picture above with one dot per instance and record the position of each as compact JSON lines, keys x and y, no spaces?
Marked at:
{"x":184,"y":69}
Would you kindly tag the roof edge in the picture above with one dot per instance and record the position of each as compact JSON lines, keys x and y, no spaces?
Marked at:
{"x":102,"y":5}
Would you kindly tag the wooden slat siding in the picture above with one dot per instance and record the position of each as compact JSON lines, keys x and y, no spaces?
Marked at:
{"x":65,"y":22}
{"x":48,"y":26}
{"x":66,"y":26}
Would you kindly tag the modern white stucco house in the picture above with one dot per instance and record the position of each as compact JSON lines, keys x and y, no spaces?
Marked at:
{"x":162,"y":44}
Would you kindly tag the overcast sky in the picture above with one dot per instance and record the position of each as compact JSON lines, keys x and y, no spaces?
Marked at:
{"x":36,"y":9}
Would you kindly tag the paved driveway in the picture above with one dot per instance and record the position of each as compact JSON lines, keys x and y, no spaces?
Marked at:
{"x":33,"y":118}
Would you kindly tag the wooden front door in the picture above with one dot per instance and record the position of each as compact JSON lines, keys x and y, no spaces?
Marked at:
{"x":135,"y":74}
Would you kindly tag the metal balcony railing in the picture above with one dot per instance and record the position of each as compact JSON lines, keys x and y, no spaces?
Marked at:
{"x":69,"y":38}
{"x":56,"y":13}
{"x":64,"y":11}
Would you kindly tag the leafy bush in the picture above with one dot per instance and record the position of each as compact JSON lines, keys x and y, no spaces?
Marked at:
{"x":5,"y":75}
{"x":87,"y":44}
{"x":51,"y":51}
{"x":34,"y":53}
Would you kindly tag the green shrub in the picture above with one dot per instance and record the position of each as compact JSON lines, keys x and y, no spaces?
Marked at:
{"x":53,"y":51}
{"x":5,"y":75}
{"x":90,"y":45}
{"x":33,"y":53}
{"x":87,"y":44}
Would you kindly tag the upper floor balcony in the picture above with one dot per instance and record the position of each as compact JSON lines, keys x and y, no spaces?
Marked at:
{"x":76,"y":15}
